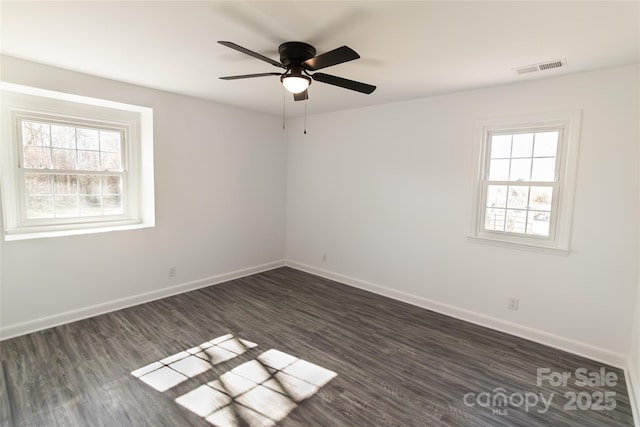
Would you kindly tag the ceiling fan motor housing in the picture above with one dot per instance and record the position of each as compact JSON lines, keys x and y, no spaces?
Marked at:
{"x":292,"y":54}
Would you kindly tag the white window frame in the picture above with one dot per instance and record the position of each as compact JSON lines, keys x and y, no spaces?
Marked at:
{"x":558,"y":241}
{"x":134,"y":122}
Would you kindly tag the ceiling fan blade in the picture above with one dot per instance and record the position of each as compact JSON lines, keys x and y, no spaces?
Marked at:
{"x":249,"y":76}
{"x":251,"y":53}
{"x":333,"y":57}
{"x":301,"y":96}
{"x":345,"y":83}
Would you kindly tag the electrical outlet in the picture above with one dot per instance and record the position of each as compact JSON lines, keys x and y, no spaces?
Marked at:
{"x":512,"y":303}
{"x":324,"y":257}
{"x":172,"y":271}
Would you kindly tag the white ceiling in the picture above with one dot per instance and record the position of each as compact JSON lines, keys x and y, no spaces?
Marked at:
{"x":408,"y":49}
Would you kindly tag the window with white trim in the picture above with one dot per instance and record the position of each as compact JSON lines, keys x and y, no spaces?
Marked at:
{"x":73,"y":164}
{"x":70,"y":171}
{"x":525,"y":180}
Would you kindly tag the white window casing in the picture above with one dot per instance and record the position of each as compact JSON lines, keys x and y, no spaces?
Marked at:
{"x":554,"y":230}
{"x":131,"y":163}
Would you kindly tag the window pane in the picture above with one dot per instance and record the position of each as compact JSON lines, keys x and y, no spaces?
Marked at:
{"x":540,"y":198}
{"x":66,"y":206}
{"x":38,"y":184}
{"x":499,"y":170}
{"x":516,"y":221}
{"x":522,"y":145}
{"x":544,"y":169}
{"x":546,"y":144}
{"x":88,"y":139}
{"x":89,"y":184}
{"x":37,"y":157}
{"x":111,"y":185}
{"x":88,"y":160}
{"x":65,"y":184}
{"x":497,"y":196}
{"x":35,"y":134}
{"x":111,"y":161}
{"x":520,"y":170}
{"x":63,"y":136}
{"x":500,"y":146}
{"x":494,"y":219}
{"x":110,"y":141}
{"x":63,"y":158}
{"x":90,"y":206}
{"x":538,"y":223}
{"x":39,"y":207}
{"x":518,"y":197}
{"x":112,"y":205}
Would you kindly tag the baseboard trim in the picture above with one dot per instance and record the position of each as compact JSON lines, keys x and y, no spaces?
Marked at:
{"x":561,"y":343}
{"x":633,"y":387}
{"x":15,"y":330}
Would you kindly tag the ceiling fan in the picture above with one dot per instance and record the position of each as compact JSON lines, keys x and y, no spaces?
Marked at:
{"x":297,"y":59}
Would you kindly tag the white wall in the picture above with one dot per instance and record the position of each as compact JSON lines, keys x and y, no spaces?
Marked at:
{"x":385,"y":192}
{"x":220,"y":179}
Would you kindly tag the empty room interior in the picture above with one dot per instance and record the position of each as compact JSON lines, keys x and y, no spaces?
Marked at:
{"x":318,"y":213}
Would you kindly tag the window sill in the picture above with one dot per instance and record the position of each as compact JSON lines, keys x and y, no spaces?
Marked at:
{"x":518,"y":245}
{"x":24,"y":235}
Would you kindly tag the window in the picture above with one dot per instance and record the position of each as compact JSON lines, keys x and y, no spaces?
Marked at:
{"x":70,"y":170}
{"x":524,"y":181}
{"x":73,"y":164}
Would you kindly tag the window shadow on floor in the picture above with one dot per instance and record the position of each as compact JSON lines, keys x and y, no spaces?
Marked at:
{"x":259,"y":392}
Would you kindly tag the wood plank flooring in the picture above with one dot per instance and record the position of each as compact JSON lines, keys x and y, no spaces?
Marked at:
{"x":396,"y":364}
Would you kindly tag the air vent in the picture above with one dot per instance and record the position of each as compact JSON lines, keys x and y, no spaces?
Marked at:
{"x":541,"y":67}
{"x":549,"y":65}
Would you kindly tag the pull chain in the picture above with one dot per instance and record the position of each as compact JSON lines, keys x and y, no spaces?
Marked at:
{"x":283,"y":112}
{"x":305,"y":115}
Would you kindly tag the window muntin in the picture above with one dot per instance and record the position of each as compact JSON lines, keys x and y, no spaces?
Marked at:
{"x":521,"y":182}
{"x":71,"y":170}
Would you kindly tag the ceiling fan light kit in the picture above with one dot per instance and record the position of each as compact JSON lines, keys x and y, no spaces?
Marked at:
{"x":295,"y":84}
{"x":298,"y":58}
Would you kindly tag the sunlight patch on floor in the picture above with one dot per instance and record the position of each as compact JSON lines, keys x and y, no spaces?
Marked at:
{"x":256,"y":393}
{"x":172,"y":370}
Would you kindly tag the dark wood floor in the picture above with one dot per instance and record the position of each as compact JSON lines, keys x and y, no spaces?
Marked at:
{"x":395,"y":364}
